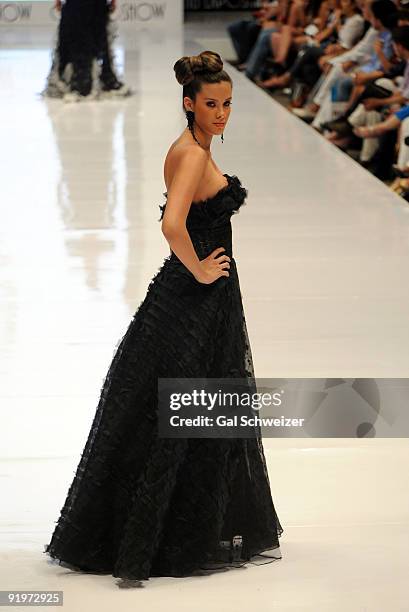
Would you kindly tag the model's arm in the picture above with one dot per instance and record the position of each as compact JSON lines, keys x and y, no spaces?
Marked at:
{"x":189,"y":172}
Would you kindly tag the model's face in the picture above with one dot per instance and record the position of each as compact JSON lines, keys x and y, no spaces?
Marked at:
{"x":211,"y":107}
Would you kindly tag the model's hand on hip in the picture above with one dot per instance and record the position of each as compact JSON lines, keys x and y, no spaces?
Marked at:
{"x":213,"y":267}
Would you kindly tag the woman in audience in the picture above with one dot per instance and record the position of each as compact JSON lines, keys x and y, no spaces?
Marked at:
{"x":311,"y":22}
{"x":348,"y":28}
{"x":293,"y":17}
{"x":244,"y":32}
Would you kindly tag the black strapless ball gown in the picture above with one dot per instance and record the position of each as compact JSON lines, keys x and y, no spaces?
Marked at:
{"x":141,"y":505}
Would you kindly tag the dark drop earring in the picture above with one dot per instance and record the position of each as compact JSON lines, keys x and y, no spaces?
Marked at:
{"x":190,"y":116}
{"x":222,"y":137}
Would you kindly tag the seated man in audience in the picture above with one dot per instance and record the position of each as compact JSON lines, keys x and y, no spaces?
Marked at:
{"x":369,"y":111}
{"x":397,"y":119}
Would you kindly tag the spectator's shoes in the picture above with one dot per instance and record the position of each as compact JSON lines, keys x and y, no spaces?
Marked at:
{"x":304,"y":113}
{"x":333,"y":124}
{"x":400,"y":172}
{"x":276,"y":68}
{"x":401,"y":187}
{"x":342,"y":127}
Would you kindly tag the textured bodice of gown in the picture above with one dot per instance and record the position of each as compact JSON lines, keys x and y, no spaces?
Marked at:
{"x":214,"y":316}
{"x":209,"y":221}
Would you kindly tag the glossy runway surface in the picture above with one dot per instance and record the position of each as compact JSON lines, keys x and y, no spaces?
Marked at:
{"x":322,"y":249}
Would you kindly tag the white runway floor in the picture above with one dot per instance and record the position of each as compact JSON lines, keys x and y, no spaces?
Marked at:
{"x":322,"y":249}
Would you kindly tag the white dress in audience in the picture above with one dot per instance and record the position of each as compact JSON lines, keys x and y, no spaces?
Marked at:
{"x":359,"y":54}
{"x":351,"y":31}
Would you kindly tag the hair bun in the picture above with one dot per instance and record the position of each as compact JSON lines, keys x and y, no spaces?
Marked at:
{"x":186,"y":67}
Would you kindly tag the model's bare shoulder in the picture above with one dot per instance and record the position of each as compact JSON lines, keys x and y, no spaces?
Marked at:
{"x":193,"y":150}
{"x":183,"y":154}
{"x":184,"y":159}
{"x":190,"y":165}
{"x":187,"y":175}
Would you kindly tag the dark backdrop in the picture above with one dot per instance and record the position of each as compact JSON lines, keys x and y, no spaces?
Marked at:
{"x":221,"y":5}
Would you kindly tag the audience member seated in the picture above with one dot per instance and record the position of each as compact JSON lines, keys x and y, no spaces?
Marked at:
{"x":314,"y":54}
{"x":378,"y":100}
{"x":274,"y":42}
{"x":352,"y":59}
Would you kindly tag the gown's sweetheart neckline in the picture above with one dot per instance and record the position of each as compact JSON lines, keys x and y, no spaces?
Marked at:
{"x":218,"y":192}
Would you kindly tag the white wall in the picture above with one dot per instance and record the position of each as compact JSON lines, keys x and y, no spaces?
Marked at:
{"x":130,"y":14}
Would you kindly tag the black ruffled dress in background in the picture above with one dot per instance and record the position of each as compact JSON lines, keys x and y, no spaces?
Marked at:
{"x":140,"y":505}
{"x":83,"y":63}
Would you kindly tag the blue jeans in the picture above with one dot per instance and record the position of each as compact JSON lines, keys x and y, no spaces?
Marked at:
{"x":243,"y":34}
{"x":342,"y":88}
{"x":260,"y":52}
